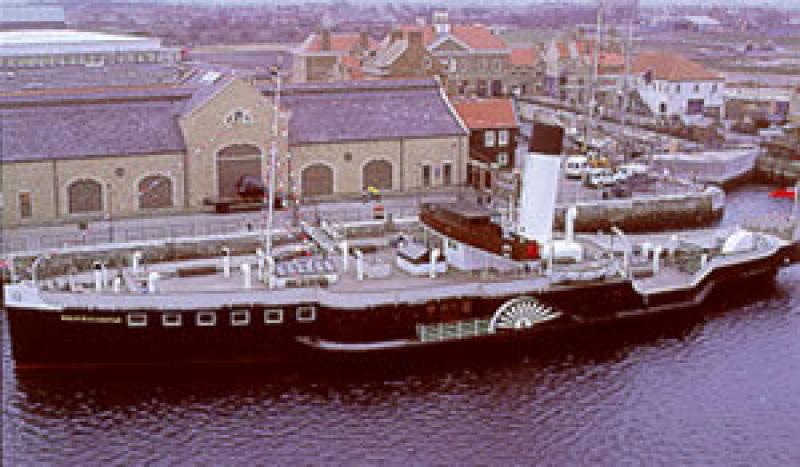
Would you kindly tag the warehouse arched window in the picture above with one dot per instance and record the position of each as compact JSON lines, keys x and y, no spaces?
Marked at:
{"x":85,"y":196}
{"x":377,"y":174}
{"x":155,"y":192}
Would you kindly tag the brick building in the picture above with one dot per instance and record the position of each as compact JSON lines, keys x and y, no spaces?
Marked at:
{"x":331,"y":56}
{"x":493,"y":132}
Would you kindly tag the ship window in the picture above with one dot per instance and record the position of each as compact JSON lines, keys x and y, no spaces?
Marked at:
{"x":306,"y":314}
{"x":171,"y":320}
{"x":274,"y":316}
{"x":240,"y":318}
{"x":206,"y":318}
{"x":137,"y":320}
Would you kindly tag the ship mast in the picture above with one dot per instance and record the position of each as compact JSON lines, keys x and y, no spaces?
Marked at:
{"x":273,"y":155}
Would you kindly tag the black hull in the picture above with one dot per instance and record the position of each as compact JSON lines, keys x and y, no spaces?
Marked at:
{"x":90,"y":338}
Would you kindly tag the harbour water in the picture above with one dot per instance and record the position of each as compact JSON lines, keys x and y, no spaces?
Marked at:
{"x":720,"y":386}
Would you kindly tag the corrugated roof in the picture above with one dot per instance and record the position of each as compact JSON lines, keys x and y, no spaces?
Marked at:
{"x":368,"y":110}
{"x":486,"y":113}
{"x":672,"y":67}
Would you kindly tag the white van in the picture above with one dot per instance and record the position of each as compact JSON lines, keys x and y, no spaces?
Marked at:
{"x":576,"y":166}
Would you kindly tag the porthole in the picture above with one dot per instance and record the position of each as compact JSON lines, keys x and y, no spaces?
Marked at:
{"x":273,"y":316}
{"x":171,"y":320}
{"x":306,"y":314}
{"x":137,"y":320}
{"x":206,"y":318}
{"x":240,"y":318}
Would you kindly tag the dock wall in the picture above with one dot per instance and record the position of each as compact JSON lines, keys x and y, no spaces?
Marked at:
{"x":649,"y":213}
{"x":718,"y":167}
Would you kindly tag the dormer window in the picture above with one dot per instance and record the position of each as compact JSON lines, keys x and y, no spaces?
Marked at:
{"x":239,"y":117}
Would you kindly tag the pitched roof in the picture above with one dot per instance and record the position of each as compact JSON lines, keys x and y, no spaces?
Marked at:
{"x":475,"y":36}
{"x":368,"y":110}
{"x":340,"y":42}
{"x":672,"y":67}
{"x":480,"y":114}
{"x":527,"y":56}
{"x":58,"y":130}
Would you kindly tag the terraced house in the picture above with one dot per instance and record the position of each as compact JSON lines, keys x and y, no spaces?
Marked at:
{"x":81,"y":154}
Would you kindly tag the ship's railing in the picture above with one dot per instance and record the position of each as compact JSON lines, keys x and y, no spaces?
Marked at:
{"x":456,"y":330}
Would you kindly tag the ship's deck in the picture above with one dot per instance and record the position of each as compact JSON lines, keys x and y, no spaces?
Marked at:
{"x":210,"y":288}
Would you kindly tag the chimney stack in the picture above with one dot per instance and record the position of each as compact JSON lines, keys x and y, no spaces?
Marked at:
{"x":325,"y":40}
{"x":415,"y":38}
{"x":396,"y":35}
{"x":441,"y":22}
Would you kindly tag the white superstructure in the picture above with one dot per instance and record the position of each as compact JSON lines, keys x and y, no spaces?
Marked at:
{"x":540,"y":176}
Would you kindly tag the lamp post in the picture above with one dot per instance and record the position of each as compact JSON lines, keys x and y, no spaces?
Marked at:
{"x":109,"y":214}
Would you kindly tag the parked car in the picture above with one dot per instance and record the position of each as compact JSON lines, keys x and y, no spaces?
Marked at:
{"x":597,"y":177}
{"x":626,"y":171}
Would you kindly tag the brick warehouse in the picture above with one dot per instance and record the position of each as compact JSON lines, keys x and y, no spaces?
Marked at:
{"x":69,"y":156}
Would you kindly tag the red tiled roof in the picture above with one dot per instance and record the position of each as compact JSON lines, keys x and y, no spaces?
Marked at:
{"x":475,"y":36}
{"x":340,"y":42}
{"x":671,"y":67}
{"x":524,"y":57}
{"x":486,"y":113}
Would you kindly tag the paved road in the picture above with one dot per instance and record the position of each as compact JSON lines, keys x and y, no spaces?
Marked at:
{"x":201,"y":223}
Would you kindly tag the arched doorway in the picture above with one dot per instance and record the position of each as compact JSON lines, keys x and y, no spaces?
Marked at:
{"x":317,"y":180}
{"x":85,"y":196}
{"x":377,"y":174}
{"x":233,"y":163}
{"x":155,"y":192}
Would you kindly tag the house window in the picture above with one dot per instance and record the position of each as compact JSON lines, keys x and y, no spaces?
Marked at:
{"x":488,"y":138}
{"x":426,"y":175}
{"x":453,"y":66}
{"x":714,"y":89}
{"x":662,"y":108}
{"x":502,"y":159}
{"x":25,"y":205}
{"x":238,"y":117}
{"x":502,"y":138}
{"x":447,"y":173}
{"x":677,"y":88}
{"x":487,"y":180}
{"x":696,"y":88}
